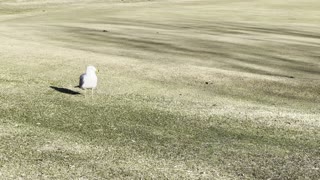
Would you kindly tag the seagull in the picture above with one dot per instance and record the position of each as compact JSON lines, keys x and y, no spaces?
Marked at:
{"x":89,"y":79}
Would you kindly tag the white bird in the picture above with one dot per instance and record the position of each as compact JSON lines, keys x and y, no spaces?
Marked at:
{"x":89,"y":79}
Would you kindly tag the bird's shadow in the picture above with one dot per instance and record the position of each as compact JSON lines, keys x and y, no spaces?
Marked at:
{"x":65,"y":90}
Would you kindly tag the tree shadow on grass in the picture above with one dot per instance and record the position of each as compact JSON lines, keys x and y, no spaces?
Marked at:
{"x":65,"y":90}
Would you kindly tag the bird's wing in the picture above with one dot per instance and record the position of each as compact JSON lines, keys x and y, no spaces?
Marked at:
{"x":81,"y":82}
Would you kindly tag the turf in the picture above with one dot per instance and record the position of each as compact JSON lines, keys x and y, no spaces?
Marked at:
{"x":204,"y":89}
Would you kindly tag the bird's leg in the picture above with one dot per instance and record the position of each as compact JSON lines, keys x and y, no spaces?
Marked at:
{"x":92,"y":93}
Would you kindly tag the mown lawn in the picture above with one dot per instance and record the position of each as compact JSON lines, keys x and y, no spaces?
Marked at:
{"x":204,"y":89}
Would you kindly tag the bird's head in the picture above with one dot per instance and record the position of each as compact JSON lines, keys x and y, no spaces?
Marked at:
{"x":91,"y":69}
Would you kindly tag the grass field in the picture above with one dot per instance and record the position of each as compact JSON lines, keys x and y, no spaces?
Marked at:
{"x":188,"y":89}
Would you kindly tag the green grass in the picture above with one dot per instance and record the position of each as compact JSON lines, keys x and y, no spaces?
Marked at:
{"x":187,"y":90}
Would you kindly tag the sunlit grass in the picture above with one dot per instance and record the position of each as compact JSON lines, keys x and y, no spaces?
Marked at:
{"x":187,"y":90}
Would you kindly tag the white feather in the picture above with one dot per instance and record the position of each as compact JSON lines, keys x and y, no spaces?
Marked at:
{"x":89,"y":79}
